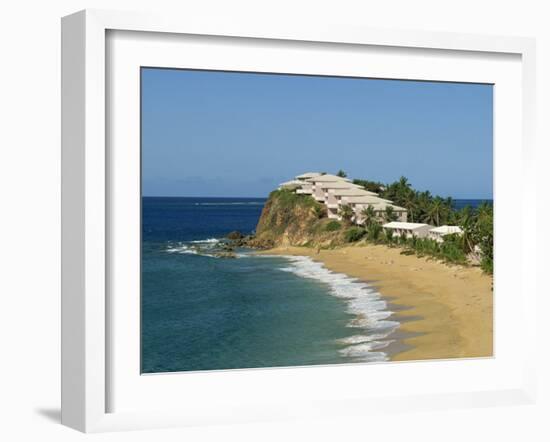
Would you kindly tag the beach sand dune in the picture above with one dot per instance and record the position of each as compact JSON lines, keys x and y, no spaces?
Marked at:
{"x":446,"y":311}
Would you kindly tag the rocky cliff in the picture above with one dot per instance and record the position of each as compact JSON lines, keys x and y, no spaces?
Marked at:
{"x":289,"y":219}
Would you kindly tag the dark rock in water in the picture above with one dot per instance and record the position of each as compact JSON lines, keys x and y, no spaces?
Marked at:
{"x":237,"y":239}
{"x":235,"y":235}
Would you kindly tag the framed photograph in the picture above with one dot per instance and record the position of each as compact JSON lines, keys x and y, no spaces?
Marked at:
{"x":262,"y":222}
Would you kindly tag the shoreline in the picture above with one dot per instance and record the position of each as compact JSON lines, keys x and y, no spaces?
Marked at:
{"x":445,"y":311}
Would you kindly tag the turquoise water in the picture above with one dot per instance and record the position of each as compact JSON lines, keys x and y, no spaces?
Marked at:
{"x":200,"y":312}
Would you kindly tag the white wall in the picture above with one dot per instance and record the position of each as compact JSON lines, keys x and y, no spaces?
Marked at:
{"x":29,"y":214}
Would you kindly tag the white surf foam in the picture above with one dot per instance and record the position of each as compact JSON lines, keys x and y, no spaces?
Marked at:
{"x":206,"y":241}
{"x":370,"y":310}
{"x":192,"y":248}
{"x":360,"y":339}
{"x":181,"y":248}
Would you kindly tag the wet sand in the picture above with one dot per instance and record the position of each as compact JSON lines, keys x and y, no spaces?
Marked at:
{"x":446,"y":311}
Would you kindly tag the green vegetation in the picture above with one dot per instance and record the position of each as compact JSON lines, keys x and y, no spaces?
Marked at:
{"x":371,"y":186}
{"x":450,"y":250}
{"x":454,"y":249}
{"x":320,"y":211}
{"x":422,"y":207}
{"x":346,"y":212}
{"x":354,"y":234}
{"x":332,"y":226}
{"x":388,"y":237}
{"x":289,"y":199}
{"x":342,"y":174}
{"x":390,"y":215}
{"x":369,"y":215}
{"x":280,"y":211}
{"x":374,"y":231}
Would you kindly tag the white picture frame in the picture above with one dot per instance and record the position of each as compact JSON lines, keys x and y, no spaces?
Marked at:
{"x":86,"y":356}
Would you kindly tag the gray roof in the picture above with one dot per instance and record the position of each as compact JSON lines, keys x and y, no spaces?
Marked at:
{"x":378,"y":205}
{"x":404,"y":226}
{"x":368,"y":199}
{"x":327,"y":177}
{"x":338,"y":185}
{"x":292,"y":183}
{"x":446,"y":230}
{"x":354,"y":191}
{"x":307,"y":175}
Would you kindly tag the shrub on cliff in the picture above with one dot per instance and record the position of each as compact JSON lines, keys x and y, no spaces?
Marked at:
{"x":289,"y":199}
{"x":333,"y":226}
{"x":320,"y":210}
{"x":354,"y":234}
{"x":374,"y":231}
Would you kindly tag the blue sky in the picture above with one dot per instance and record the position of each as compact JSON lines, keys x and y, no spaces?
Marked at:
{"x":239,"y":134}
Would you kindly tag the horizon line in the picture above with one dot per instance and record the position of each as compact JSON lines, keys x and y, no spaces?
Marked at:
{"x":265,"y":197}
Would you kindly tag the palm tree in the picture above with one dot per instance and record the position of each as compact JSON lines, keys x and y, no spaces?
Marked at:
{"x":346,"y":212}
{"x":404,"y":183}
{"x":485,"y":211}
{"x":389,"y":236}
{"x":422,"y":200}
{"x":466,"y":220}
{"x":374,"y":231}
{"x":483,"y":232}
{"x":411,"y":205}
{"x":369,"y":215}
{"x":436,"y":211}
{"x":389,"y":214}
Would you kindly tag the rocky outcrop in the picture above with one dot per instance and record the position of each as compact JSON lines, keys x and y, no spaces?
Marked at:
{"x":290,"y":219}
{"x":235,"y":234}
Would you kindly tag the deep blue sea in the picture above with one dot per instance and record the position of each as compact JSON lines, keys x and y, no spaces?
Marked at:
{"x":202,"y":312}
{"x":473,"y":203}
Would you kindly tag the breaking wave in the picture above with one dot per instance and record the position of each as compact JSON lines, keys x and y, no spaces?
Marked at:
{"x":203,"y":247}
{"x":370,"y":311}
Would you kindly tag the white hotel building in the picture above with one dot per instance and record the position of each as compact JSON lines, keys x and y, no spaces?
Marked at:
{"x":335,"y":191}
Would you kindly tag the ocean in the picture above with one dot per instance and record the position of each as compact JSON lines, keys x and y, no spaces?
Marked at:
{"x":202,"y":312}
{"x":473,"y":203}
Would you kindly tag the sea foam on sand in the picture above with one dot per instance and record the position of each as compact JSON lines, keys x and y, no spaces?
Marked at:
{"x":370,"y":311}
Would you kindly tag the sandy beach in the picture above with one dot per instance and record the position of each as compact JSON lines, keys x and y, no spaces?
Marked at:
{"x":445,"y":311}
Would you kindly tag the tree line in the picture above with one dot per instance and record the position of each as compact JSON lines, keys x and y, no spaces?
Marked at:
{"x":476,"y":241}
